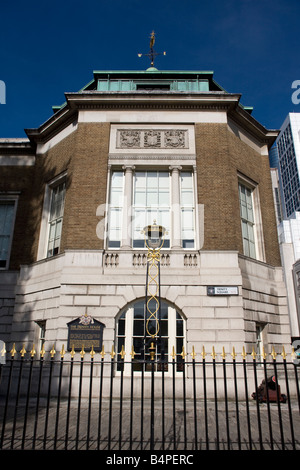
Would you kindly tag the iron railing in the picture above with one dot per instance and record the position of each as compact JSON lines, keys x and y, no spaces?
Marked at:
{"x":87,"y":400}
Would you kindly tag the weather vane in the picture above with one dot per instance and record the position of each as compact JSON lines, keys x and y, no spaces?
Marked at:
{"x":152,"y":54}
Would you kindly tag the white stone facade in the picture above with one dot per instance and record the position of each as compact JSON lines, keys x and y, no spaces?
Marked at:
{"x":72,"y":284}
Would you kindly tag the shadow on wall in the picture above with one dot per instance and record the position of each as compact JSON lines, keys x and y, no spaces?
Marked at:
{"x":18,"y":298}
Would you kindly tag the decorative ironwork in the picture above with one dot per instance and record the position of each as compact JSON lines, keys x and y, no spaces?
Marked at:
{"x":154,"y":239}
{"x":202,"y":412}
{"x":152,"y":53}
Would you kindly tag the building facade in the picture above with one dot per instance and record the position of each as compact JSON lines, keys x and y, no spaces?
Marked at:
{"x":284,"y":162}
{"x":131,"y":148}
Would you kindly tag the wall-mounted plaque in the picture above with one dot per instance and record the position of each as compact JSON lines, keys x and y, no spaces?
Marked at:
{"x":2,"y":352}
{"x":85,"y":332}
{"x":222,"y":290}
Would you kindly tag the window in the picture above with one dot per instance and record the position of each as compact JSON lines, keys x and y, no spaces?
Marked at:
{"x":260,"y":332}
{"x":41,"y":334}
{"x":56,"y":218}
{"x":7,"y":216}
{"x":139,"y":198}
{"x":131,"y":331}
{"x":151,"y":203}
{"x":187,"y":210}
{"x":115,"y":212}
{"x":247,"y":219}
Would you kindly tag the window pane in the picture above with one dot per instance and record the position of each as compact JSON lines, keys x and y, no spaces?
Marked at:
{"x":56,"y":218}
{"x":151,"y":193}
{"x":247,"y":220}
{"x":187,"y":209}
{"x":132,"y":322}
{"x":6,"y":229}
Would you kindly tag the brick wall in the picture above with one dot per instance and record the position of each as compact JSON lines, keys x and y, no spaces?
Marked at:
{"x":220,"y":157}
{"x":19,"y":179}
{"x":83,"y":154}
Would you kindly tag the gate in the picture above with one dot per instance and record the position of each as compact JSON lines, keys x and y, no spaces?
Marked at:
{"x":74,"y":401}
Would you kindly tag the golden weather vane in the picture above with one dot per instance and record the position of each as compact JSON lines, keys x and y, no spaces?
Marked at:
{"x":152,"y":53}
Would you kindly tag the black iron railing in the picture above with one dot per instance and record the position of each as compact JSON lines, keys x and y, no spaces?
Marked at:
{"x":102,"y":402}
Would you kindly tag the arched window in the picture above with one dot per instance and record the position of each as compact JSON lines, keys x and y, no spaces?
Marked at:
{"x":131,"y":331}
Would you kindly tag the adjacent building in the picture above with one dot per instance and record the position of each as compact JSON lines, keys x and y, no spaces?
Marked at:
{"x":284,"y":162}
{"x":129,"y":148}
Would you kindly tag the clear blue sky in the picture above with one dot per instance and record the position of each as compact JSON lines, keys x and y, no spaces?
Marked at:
{"x":49,"y":48}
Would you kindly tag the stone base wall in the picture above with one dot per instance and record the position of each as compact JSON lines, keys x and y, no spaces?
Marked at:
{"x":103,"y":284}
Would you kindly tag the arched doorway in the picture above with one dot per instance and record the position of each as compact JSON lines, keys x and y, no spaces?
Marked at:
{"x":131,"y":332}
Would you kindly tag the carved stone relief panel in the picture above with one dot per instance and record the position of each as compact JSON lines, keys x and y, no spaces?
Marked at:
{"x":152,"y":139}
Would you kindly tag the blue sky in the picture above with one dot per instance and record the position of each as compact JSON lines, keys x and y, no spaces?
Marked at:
{"x":49,"y":48}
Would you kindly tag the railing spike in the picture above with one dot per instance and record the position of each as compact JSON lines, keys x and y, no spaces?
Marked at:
{"x":213,"y":354}
{"x":273,"y":353}
{"x":42,"y":352}
{"x":183,"y":354}
{"x":82,"y":352}
{"x":72,"y":353}
{"x":13,"y":350}
{"x":52,"y":352}
{"x":263,"y":354}
{"x":173,"y":355}
{"x":132,"y":353}
{"x":122,"y":353}
{"x":244,"y":354}
{"x":102,"y":352}
{"x":223,"y":353}
{"x":23,"y":351}
{"x":92,"y":352}
{"x":283,"y":353}
{"x":112,"y":352}
{"x":62,"y":352}
{"x":203,"y":354}
{"x":33,"y":351}
{"x":193,"y":354}
{"x":233,"y":354}
{"x":253,"y":354}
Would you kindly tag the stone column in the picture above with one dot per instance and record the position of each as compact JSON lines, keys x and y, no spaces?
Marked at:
{"x":175,"y":241}
{"x":127,"y":207}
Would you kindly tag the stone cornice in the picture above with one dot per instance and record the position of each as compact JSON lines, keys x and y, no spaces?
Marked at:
{"x":156,"y":100}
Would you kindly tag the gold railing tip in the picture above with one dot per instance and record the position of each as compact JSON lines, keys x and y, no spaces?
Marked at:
{"x":173,"y":355}
{"x":82,"y":352}
{"x":283,"y":353}
{"x":233,"y":354}
{"x":273,"y":353}
{"x":223,"y":353}
{"x":13,"y":350}
{"x":92,"y":352}
{"x":122,"y":353}
{"x":33,"y":351}
{"x":23,"y":351}
{"x":42,"y":351}
{"x":244,"y":354}
{"x":253,"y":354}
{"x":213,"y":354}
{"x":72,"y":353}
{"x":263,"y":354}
{"x":193,"y":354}
{"x":183,"y":354}
{"x":52,"y":352}
{"x":132,"y":353}
{"x":112,"y":352}
{"x":102,"y":352}
{"x":62,"y":352}
{"x":203,"y":354}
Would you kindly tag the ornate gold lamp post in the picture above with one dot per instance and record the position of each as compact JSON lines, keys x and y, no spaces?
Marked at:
{"x":154,"y":239}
